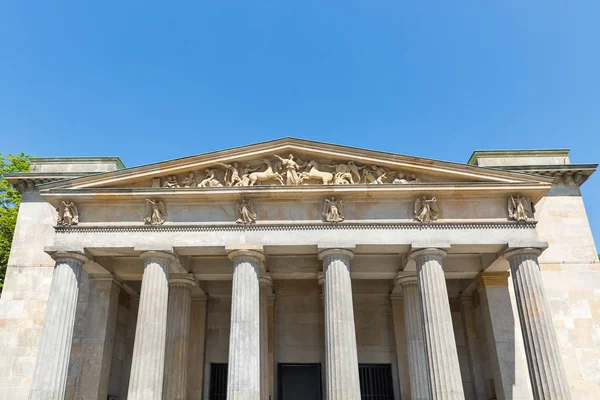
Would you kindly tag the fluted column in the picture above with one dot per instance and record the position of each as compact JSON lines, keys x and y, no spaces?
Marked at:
{"x":148,"y":361}
{"x":415,"y":343}
{"x":178,"y":327}
{"x":546,"y":370}
{"x":243,"y":375}
{"x":341,"y":358}
{"x":440,"y":345}
{"x":265,"y":291}
{"x":50,"y":373}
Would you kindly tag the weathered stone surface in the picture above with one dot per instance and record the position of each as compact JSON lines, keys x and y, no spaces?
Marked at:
{"x":147,"y":365}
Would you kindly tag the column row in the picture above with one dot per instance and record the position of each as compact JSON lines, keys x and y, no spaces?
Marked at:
{"x":433,"y":360}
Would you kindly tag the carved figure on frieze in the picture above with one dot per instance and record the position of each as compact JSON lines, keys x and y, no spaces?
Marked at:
{"x":426,"y":210}
{"x":292,"y":169}
{"x":400,"y":179}
{"x":188,"y":181}
{"x":156,"y":212}
{"x":520,"y":208}
{"x":245,"y":213}
{"x":68,"y":214}
{"x":412,"y":179}
{"x":171,"y":182}
{"x":314,"y":173}
{"x":266,"y":175}
{"x":232,"y":174}
{"x":406,"y":180}
{"x":333,"y":210}
{"x":345,"y":173}
{"x":210,"y":179}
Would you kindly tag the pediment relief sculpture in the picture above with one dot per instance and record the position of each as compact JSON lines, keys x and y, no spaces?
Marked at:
{"x":520,"y":208}
{"x":426,"y":209}
{"x":155,"y":213}
{"x":245,"y":213}
{"x":68,"y":214}
{"x":289,"y":171}
{"x":333,"y":210}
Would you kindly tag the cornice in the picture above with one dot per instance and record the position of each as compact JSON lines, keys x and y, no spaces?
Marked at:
{"x":509,"y":225}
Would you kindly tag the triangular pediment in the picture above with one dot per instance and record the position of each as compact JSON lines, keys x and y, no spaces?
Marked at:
{"x":287,"y":162}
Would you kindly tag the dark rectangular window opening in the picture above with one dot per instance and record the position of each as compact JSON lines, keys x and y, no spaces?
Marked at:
{"x":299,"y":381}
{"x":376,"y":382}
{"x":218,"y":382}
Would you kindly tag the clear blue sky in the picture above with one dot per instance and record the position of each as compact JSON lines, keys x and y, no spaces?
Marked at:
{"x":151,"y":82}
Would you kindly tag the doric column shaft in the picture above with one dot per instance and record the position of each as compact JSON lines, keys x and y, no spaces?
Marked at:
{"x":148,"y":361}
{"x":440,"y":345}
{"x":134,"y":305}
{"x":178,"y":327}
{"x":473,"y":347}
{"x":341,"y":358}
{"x":415,"y":344}
{"x":97,"y":345}
{"x":265,"y":292}
{"x":50,"y":373}
{"x":243,"y":376}
{"x":546,"y":370}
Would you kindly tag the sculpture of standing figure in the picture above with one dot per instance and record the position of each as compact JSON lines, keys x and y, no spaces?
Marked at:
{"x":520,"y":209}
{"x":67,"y":214}
{"x":156,"y":212}
{"x":426,"y":210}
{"x":246,"y":213}
{"x":292,"y":167}
{"x":232,"y":176}
{"x":333,"y":210}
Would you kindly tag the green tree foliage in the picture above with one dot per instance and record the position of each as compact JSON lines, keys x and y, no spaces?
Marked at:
{"x":10,"y":199}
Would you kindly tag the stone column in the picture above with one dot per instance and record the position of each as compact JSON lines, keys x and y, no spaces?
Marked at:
{"x":440,"y":344}
{"x":341,"y":358}
{"x":473,"y":346}
{"x":196,"y":347}
{"x":99,"y":339}
{"x":506,"y":354}
{"x":134,"y":304}
{"x":546,"y":370}
{"x":265,"y":291}
{"x":50,"y":373}
{"x":415,"y":343}
{"x":178,"y":328}
{"x":148,"y":361}
{"x":243,"y":375}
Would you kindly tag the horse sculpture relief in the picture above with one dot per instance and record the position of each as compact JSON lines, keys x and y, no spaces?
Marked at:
{"x":266,"y":175}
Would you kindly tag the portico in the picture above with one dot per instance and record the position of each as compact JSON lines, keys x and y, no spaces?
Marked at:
{"x":394,"y":277}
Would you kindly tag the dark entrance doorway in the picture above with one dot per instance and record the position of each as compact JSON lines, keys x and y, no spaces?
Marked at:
{"x":299,"y":381}
{"x":218,"y":382}
{"x":376,"y":382}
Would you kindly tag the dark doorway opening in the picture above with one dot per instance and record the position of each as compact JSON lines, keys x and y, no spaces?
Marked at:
{"x":376,"y":382}
{"x":218,"y":382}
{"x":299,"y":381}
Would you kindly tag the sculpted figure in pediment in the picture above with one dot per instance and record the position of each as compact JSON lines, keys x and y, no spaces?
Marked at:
{"x":188,"y":181}
{"x":210,"y":179}
{"x":156,"y":212}
{"x":171,"y":182}
{"x":426,"y":210}
{"x":405,"y":180}
{"x":333,"y":210}
{"x":67,"y":214}
{"x":246,"y":213}
{"x":345,"y":174}
{"x":313,"y":172}
{"x":374,"y":175}
{"x":266,"y":175}
{"x":292,"y":169}
{"x":520,"y":208}
{"x":232,"y":174}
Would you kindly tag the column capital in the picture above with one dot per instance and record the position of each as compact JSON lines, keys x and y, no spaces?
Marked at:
{"x":487,"y":279}
{"x":264,"y":280}
{"x":320,"y":278}
{"x":69,"y":255}
{"x":336,"y":251}
{"x":429,"y":251}
{"x":255,"y":254}
{"x":528,"y":251}
{"x":182,"y":280}
{"x":157,"y":254}
{"x":406,"y":280}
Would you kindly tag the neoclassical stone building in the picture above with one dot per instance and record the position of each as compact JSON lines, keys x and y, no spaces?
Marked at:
{"x":299,"y":270}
